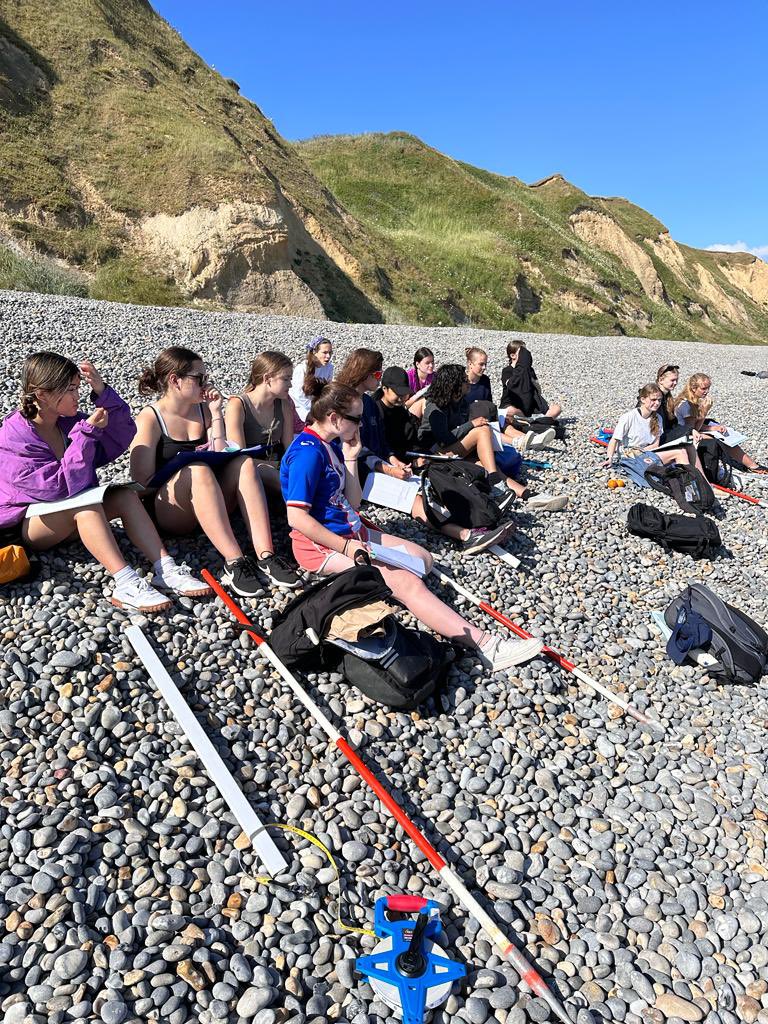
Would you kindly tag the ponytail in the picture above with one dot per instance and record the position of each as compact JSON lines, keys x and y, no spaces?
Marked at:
{"x":174,"y":360}
{"x":330,"y":396}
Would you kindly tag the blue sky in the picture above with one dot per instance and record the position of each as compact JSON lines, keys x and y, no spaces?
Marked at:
{"x":663,"y":103}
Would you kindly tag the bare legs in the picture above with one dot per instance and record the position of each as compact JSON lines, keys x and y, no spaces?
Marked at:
{"x":449,"y":529}
{"x":414,"y":593}
{"x":479,"y":441}
{"x":92,"y":525}
{"x":195,"y":497}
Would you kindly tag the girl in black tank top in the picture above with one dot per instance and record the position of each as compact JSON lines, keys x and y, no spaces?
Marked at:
{"x":187,"y":416}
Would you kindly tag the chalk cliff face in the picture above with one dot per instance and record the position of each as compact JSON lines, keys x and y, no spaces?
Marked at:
{"x":124,"y":156}
{"x":116,"y":141}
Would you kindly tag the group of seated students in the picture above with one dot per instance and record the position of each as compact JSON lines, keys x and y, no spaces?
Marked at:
{"x":318,"y":437}
{"x":660,"y":418}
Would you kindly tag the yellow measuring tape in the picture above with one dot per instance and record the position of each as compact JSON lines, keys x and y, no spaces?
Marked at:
{"x":303,"y":834}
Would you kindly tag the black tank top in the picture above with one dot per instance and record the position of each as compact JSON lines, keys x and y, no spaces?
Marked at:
{"x":168,"y":447}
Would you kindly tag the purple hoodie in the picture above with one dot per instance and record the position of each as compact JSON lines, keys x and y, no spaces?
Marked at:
{"x":30,"y":471}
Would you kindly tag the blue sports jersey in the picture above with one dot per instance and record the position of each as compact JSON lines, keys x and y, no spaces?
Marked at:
{"x":312,"y":476}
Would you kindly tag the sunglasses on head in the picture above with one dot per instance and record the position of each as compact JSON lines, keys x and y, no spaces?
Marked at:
{"x":669,"y":369}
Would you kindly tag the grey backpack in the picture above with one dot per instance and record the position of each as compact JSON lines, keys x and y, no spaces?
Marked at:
{"x":738,"y":643}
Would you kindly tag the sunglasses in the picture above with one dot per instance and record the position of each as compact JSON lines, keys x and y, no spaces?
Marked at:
{"x":378,"y":374}
{"x":202,"y":378}
{"x":352,"y":419}
{"x":669,"y":369}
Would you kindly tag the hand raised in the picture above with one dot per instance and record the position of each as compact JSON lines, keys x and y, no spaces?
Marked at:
{"x":215,"y":400}
{"x":92,"y":376}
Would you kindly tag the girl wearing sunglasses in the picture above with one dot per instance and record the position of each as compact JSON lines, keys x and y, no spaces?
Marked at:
{"x":186,"y":417}
{"x":322,"y":494}
{"x":362,"y":371}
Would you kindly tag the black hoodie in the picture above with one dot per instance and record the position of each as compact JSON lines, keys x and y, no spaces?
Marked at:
{"x":520,"y":386}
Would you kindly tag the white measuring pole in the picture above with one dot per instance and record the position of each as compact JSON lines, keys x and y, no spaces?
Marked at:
{"x":220,"y":775}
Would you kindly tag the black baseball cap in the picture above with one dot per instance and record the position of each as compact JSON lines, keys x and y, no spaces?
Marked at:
{"x":396,"y":378}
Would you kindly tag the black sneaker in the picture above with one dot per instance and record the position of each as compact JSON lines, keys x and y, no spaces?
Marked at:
{"x":279,"y":571}
{"x":504,"y":496}
{"x":481,"y":540}
{"x":241,"y":575}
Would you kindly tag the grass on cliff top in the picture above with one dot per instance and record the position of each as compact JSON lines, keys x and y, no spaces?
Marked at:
{"x":473,"y":233}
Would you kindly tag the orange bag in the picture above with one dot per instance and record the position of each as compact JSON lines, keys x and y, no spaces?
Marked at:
{"x":14,"y":564}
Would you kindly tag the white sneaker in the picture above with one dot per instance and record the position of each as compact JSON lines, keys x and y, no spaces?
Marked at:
{"x":139,"y":596}
{"x":542,"y":440}
{"x":500,"y":653}
{"x":180,"y":580}
{"x":547,"y":502}
{"x":523,"y":443}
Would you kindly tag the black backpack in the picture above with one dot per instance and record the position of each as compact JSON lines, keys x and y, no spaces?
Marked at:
{"x":459,"y":492}
{"x":717,"y":462}
{"x":690,"y":489}
{"x":538,"y":424}
{"x":698,"y":537}
{"x":406,"y":668}
{"x":406,"y":671}
{"x":738,"y":643}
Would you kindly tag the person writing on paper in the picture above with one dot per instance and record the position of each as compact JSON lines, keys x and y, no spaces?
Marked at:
{"x":639,"y":430}
{"x":693,"y":405}
{"x":317,"y":364}
{"x":187,"y":417}
{"x":420,"y":377}
{"x":322,"y":494}
{"x":50,"y":451}
{"x":401,"y":435}
{"x":262,"y":415}
{"x":362,"y":371}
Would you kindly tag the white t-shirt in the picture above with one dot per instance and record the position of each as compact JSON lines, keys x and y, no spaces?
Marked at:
{"x":633,"y":431}
{"x":300,"y":400}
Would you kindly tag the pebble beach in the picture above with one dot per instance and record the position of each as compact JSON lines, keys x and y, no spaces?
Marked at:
{"x":629,"y":863}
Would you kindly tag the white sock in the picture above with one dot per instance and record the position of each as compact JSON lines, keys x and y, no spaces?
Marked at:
{"x":125,"y":576}
{"x":164,"y":564}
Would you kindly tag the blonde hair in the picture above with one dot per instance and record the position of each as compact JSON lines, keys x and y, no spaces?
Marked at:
{"x":472,"y":351}
{"x":44,"y":371}
{"x":645,"y":392}
{"x":699,"y":407}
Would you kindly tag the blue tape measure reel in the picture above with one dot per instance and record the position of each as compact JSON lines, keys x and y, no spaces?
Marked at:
{"x":407,"y":970}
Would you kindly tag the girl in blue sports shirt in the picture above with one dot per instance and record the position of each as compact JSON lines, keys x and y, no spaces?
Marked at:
{"x":318,"y":476}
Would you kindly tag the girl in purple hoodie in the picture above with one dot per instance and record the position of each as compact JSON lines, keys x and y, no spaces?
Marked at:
{"x":49,"y":451}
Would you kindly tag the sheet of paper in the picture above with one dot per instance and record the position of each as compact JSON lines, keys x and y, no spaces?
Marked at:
{"x":498,"y":444}
{"x":398,"y":557}
{"x":731,"y":438}
{"x":389,"y":492}
{"x":92,"y":496}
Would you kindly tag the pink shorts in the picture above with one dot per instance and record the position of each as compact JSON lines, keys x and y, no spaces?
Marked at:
{"x":313,"y":556}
